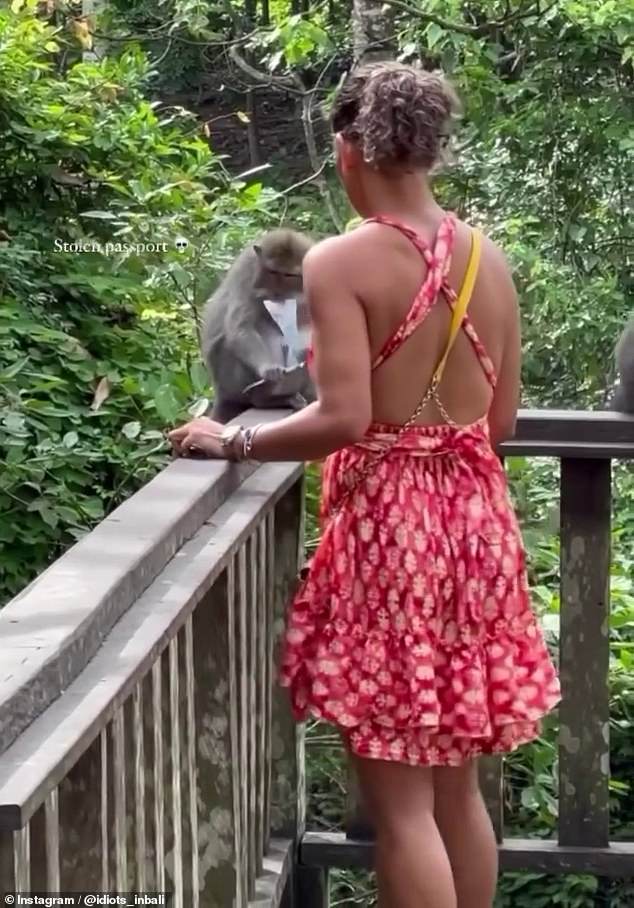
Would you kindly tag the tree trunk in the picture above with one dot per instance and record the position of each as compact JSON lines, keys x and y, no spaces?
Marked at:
{"x":253,"y":135}
{"x":372,"y":31}
{"x":266,"y":14}
{"x":250,"y":13}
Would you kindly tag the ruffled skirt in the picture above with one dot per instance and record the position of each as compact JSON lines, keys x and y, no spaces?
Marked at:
{"x":413,"y":630}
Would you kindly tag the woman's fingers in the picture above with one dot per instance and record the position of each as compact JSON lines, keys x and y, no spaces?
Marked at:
{"x":177,"y":435}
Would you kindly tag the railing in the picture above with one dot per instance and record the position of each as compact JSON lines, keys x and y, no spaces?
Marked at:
{"x":586,"y":443}
{"x":144,"y":744}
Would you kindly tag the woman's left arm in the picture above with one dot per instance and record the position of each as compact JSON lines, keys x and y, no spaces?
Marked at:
{"x":342,"y":369}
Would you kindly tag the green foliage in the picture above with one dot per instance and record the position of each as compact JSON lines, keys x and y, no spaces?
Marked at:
{"x":98,"y":349}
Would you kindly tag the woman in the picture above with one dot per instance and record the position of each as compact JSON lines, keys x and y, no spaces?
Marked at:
{"x":413,"y":630}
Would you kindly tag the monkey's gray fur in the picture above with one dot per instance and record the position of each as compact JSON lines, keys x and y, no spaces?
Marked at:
{"x":241,"y":342}
{"x":623,"y":400}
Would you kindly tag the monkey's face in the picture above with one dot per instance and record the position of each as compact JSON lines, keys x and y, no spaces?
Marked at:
{"x":279,"y":284}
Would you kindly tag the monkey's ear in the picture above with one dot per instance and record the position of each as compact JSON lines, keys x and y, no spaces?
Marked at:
{"x":258,"y":250}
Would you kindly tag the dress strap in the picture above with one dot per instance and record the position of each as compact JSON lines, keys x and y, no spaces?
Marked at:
{"x":438,"y":261}
{"x":415,"y":238}
{"x":459,"y":310}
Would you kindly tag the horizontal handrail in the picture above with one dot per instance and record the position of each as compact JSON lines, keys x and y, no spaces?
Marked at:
{"x":600,"y":434}
{"x":42,"y":755}
{"x":52,"y":629}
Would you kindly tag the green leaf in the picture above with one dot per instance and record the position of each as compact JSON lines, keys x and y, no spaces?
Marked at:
{"x":131,"y":430}
{"x":93,"y":507}
{"x":434,"y":34}
{"x":13,"y":370}
{"x":199,"y":408}
{"x":14,"y":423}
{"x":70,"y":439}
{"x":166,"y":404}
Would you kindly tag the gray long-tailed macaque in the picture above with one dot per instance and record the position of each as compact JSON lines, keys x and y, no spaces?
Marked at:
{"x":254,"y":331}
{"x":623,"y":400}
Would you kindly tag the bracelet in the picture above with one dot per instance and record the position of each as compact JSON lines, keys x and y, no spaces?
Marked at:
{"x":248,"y":437}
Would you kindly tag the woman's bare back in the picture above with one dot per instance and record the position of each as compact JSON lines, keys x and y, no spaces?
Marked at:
{"x":393,"y":273}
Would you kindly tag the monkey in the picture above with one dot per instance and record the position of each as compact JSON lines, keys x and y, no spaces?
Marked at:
{"x":623,"y":400}
{"x":254,"y":329}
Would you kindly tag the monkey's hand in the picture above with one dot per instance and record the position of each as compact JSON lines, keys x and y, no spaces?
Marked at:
{"x":297,"y":402}
{"x":198,"y":438}
{"x":272,"y":374}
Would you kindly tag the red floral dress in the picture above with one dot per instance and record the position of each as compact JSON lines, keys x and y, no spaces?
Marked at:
{"x":413,"y":630}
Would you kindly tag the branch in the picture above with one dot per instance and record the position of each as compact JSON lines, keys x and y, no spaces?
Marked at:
{"x":281,"y":82}
{"x":313,"y":155}
{"x":475,"y":31}
{"x":459,"y":27}
{"x":311,"y":179}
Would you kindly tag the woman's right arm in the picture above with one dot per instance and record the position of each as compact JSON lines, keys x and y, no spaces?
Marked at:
{"x":506,"y":399}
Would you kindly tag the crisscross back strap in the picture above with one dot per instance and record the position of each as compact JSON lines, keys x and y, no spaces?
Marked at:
{"x":458,"y":314}
{"x":460,"y":307}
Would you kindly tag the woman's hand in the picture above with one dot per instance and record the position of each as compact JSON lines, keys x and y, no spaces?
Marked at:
{"x":198,"y":438}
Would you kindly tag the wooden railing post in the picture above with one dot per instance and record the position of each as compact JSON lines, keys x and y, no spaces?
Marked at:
{"x":584,"y":747}
{"x":288,"y":790}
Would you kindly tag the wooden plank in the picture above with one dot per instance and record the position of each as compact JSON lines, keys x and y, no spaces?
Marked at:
{"x":271,"y":678}
{"x":358,"y":824}
{"x":157,"y":769}
{"x":491,"y":771}
{"x":192,"y":892}
{"x":45,"y":846}
{"x":242,"y":668}
{"x":140,"y":769}
{"x":46,"y":751}
{"x":37,"y":851}
{"x":262,"y":682}
{"x":120,"y":814}
{"x":71,"y":830}
{"x":175,"y":752}
{"x":22,"y":859}
{"x":53,"y":876}
{"x":288,"y":795}
{"x":563,"y":449}
{"x":185,"y":818}
{"x":334,"y":850}
{"x":252,"y":707}
{"x":104,"y":809}
{"x":572,"y":433}
{"x":217,"y":779}
{"x":584,"y":749}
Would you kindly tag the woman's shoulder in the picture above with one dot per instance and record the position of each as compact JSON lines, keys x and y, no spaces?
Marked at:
{"x":340,"y":253}
{"x":490,"y":247}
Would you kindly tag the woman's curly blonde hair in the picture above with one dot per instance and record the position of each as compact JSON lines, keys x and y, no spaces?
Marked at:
{"x":398,"y":115}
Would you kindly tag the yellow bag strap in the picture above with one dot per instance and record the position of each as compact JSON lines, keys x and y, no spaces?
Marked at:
{"x":464,"y":297}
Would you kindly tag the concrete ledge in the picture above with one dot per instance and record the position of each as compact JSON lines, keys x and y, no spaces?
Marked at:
{"x":50,"y":631}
